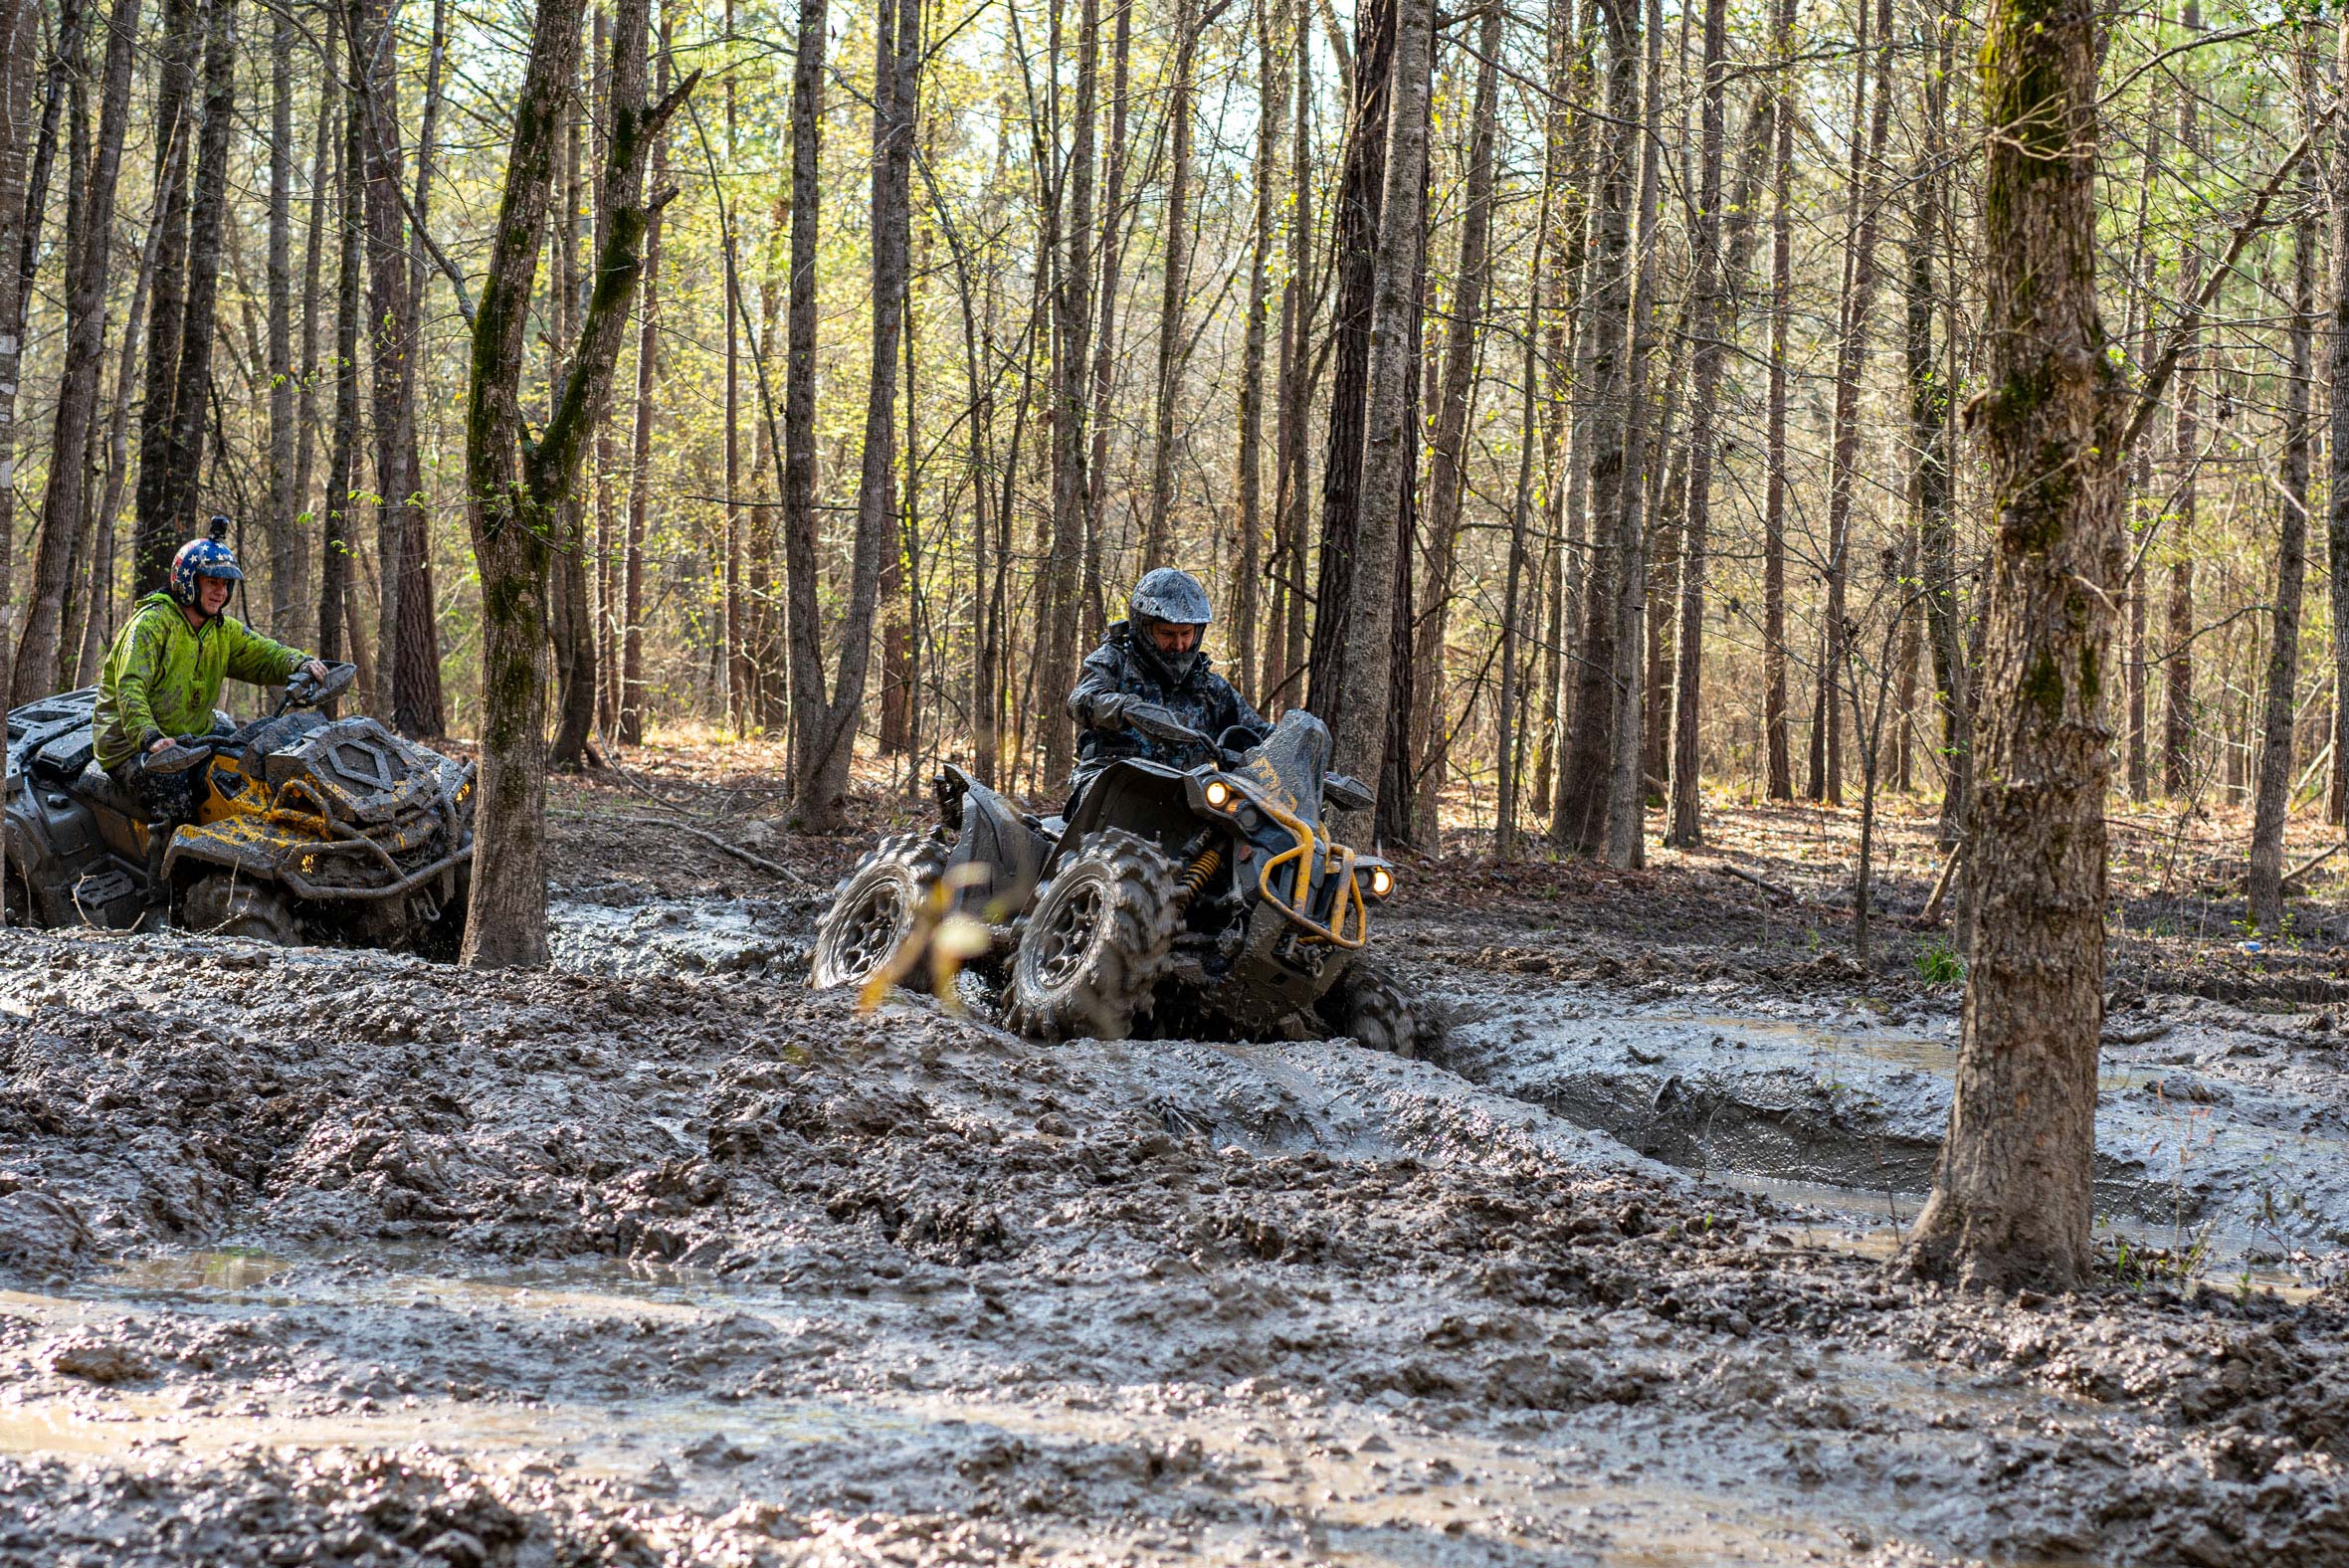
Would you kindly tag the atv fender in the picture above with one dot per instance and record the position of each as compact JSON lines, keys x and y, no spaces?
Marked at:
{"x":242,"y":844}
{"x":990,"y":833}
{"x":1147,"y":799}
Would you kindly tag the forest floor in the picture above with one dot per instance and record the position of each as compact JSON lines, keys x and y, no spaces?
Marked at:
{"x":658,"y":1258}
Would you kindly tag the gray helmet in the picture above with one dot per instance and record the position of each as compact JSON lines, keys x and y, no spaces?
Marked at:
{"x":1166,"y":594}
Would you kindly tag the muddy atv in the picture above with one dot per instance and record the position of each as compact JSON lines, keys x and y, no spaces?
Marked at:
{"x":1196,"y":899}
{"x":307,"y":828}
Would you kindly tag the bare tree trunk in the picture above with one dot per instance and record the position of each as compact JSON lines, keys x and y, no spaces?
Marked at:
{"x":1851,"y":350}
{"x":2185,"y":427}
{"x":339,"y":539}
{"x":20,"y":52}
{"x":1511,"y":743}
{"x":574,"y":629}
{"x":1779,"y":783}
{"x":1685,"y":829}
{"x":1063,"y":566}
{"x":305,"y":421}
{"x":408,"y":664}
{"x":157,"y":534}
{"x":1448,"y":461}
{"x":631,"y":732}
{"x":830,"y":736}
{"x":2272,"y":803}
{"x":516,"y":489}
{"x":1354,"y":247}
{"x":207,"y":221}
{"x":2337,"y":489}
{"x":1291,"y":524}
{"x":1928,"y":423}
{"x":1361,"y":731}
{"x":1626,"y":786}
{"x":2011,"y":1201}
{"x":1188,"y":25}
{"x":82,"y":362}
{"x":284,"y":562}
{"x":1104,"y":373}
{"x":1244,"y":596}
{"x":1580,"y":824}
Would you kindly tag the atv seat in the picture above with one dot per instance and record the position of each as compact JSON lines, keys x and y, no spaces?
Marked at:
{"x":97,"y":787}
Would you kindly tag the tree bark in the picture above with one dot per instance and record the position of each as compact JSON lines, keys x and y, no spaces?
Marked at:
{"x":1930,"y":478}
{"x":1063,"y":566}
{"x":829,"y":735}
{"x":1368,"y":661}
{"x":1284,"y":625}
{"x":1448,"y":459}
{"x":1580,"y":824}
{"x":2177,"y":751}
{"x":1779,"y":783}
{"x":1176,"y":274}
{"x":82,"y":362}
{"x":159,"y":533}
{"x":2012,"y":1202}
{"x":574,"y":632}
{"x":630,"y":731}
{"x":518,"y":487}
{"x":2337,"y":489}
{"x":20,"y":52}
{"x":337,"y":537}
{"x":283,"y":535}
{"x":1249,"y":476}
{"x":408,"y":660}
{"x":2272,"y":802}
{"x":1685,"y":829}
{"x":305,"y":420}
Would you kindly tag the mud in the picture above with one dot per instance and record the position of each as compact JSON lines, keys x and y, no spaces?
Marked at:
{"x":339,"y":1257}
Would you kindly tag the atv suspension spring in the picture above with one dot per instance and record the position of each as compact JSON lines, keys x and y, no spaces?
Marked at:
{"x":1195,"y":875}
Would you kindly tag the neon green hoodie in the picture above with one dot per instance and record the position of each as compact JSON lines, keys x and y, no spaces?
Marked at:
{"x":162,"y":676}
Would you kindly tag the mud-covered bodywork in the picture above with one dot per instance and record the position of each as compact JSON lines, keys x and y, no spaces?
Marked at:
{"x":350,"y":830}
{"x":1272,"y":910}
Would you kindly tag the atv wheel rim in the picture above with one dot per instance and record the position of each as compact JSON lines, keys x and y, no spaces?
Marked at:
{"x":1061,"y":954}
{"x":871,"y":933}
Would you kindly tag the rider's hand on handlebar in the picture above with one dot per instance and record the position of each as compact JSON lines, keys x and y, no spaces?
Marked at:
{"x":1110,"y":709}
{"x":162,"y":743}
{"x":315,"y":669}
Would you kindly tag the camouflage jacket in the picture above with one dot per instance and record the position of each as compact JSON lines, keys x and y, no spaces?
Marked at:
{"x":1199,"y":697}
{"x":163,"y":675}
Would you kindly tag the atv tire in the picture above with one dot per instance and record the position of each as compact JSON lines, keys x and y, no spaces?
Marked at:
{"x":872,"y":908}
{"x":1368,"y":1004}
{"x":223,"y":903}
{"x":1094,"y":942}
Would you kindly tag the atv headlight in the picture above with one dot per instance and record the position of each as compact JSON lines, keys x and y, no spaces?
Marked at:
{"x":1377,"y":881}
{"x":1220,"y":795}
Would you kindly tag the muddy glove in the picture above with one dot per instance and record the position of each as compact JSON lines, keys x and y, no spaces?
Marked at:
{"x":177,"y":757}
{"x":1110,"y":709}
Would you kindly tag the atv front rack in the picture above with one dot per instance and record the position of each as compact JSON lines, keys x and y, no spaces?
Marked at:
{"x":1336,"y":857}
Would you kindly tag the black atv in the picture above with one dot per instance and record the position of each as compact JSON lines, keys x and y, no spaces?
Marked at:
{"x":307,"y":829}
{"x":1203,"y":898}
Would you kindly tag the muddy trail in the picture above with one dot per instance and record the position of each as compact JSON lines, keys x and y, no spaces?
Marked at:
{"x":659,"y":1259}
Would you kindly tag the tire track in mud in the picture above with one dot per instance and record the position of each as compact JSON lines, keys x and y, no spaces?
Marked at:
{"x":709,"y":1269}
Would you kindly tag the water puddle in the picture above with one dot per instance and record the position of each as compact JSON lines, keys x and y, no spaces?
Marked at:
{"x":639,"y":940}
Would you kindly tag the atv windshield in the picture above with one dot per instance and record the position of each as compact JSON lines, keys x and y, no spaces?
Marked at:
{"x":1296,"y":755}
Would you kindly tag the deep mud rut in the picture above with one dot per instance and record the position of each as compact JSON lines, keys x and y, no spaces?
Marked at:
{"x":659,"y":1259}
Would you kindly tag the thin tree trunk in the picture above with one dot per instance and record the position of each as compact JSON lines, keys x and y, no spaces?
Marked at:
{"x":574,"y":629}
{"x":1176,"y":274}
{"x":157,"y":534}
{"x":20,"y":50}
{"x":1779,"y":782}
{"x":808,"y":701}
{"x":2272,"y":802}
{"x":339,"y":539}
{"x":1244,"y":596}
{"x":2337,"y":489}
{"x":1286,"y":569}
{"x":1063,"y":566}
{"x":830,"y":737}
{"x":82,"y":362}
{"x":1105,"y":372}
{"x":1852,"y":352}
{"x":1448,"y":461}
{"x":2012,"y":1200}
{"x":1369,"y":654}
{"x":2186,"y":428}
{"x":640,"y":469}
{"x":516,"y":493}
{"x":1685,"y":829}
{"x":305,"y":422}
{"x":284,"y":562}
{"x":1580,"y":822}
{"x":1928,"y":423}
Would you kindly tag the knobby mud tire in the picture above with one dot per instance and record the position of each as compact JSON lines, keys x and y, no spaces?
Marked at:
{"x":872,"y":908}
{"x":1368,"y":1004}
{"x":223,"y":903}
{"x":1094,"y":942}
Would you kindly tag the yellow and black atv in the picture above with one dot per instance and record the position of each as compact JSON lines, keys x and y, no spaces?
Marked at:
{"x":307,"y":828}
{"x":1181,"y":899}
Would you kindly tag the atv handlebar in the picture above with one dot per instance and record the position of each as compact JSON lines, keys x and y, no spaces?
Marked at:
{"x":1160,"y":724}
{"x":302,"y":691}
